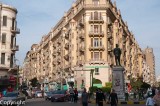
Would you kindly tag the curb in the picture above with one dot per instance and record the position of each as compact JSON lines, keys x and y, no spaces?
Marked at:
{"x":123,"y":102}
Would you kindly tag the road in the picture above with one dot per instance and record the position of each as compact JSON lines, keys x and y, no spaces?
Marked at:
{"x":42,"y":102}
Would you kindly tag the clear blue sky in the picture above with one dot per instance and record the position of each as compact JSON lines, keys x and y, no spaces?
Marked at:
{"x":37,"y":17}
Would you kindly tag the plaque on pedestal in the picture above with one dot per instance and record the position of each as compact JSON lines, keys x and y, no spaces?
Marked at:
{"x":118,"y":81}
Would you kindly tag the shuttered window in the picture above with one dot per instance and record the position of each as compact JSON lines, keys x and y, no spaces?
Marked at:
{"x":4,"y":38}
{"x":4,"y":20}
{"x":2,"y":58}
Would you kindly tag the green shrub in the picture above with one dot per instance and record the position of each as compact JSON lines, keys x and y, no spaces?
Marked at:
{"x":106,"y":89}
{"x":93,"y":89}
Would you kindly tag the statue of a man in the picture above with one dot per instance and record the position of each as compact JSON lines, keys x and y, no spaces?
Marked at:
{"x":117,"y":54}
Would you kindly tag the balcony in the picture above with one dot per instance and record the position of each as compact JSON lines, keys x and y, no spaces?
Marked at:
{"x":58,"y":60}
{"x":66,"y":57}
{"x":82,"y":49}
{"x":66,"y":46}
{"x":96,"y":34}
{"x":96,"y":20}
{"x":67,"y":67}
{"x":110,"y":41}
{"x":54,"y":46}
{"x":96,"y":48}
{"x":59,"y":51}
{"x":109,"y":48}
{"x":80,"y":62}
{"x":82,"y":36}
{"x":67,"y":35}
{"x":109,"y":36}
{"x":15,"y":48}
{"x":81,"y":24}
{"x":15,"y":30}
{"x":59,"y":41}
{"x":97,"y":60}
{"x":54,"y":53}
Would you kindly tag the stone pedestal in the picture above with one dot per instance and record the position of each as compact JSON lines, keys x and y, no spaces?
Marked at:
{"x":118,"y":83}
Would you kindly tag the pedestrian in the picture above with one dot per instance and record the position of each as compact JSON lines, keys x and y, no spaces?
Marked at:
{"x":75,"y":95}
{"x":153,"y":91}
{"x":84,"y":98}
{"x":113,"y":99}
{"x":97,"y":97}
{"x":157,"y":99}
{"x":126,"y":95}
{"x":71,"y":92}
{"x":4,"y":92}
{"x":100,"y":97}
{"x":150,"y":101}
{"x":1,"y":94}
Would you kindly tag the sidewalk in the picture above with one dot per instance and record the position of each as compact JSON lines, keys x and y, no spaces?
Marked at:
{"x":130,"y":102}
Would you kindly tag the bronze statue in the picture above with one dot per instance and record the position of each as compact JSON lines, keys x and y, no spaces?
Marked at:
{"x":117,"y":54}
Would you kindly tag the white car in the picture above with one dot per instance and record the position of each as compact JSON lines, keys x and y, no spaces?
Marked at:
{"x":38,"y":94}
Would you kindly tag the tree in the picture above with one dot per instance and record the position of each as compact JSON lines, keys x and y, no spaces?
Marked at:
{"x":136,"y":83}
{"x":145,"y":85}
{"x":34,"y":82}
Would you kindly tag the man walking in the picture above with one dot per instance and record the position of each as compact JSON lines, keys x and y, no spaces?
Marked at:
{"x":84,"y":98}
{"x":113,"y":99}
{"x":100,"y":97}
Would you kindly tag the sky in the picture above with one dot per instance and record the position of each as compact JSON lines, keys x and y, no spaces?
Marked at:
{"x":35,"y":18}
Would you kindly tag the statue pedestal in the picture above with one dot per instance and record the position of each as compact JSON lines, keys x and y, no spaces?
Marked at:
{"x":118,"y":83}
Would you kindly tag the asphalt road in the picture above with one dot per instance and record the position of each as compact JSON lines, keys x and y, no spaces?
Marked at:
{"x":42,"y":102}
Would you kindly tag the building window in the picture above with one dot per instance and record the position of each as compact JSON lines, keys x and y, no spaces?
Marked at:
{"x":91,"y":55}
{"x":2,"y":58}
{"x":96,"y":55}
{"x":95,"y":15}
{"x":96,"y":28}
{"x":4,"y":20}
{"x":100,"y":55}
{"x":96,"y":42}
{"x":95,"y":2}
{"x":3,"y":38}
{"x":96,"y":71}
{"x":100,"y":41}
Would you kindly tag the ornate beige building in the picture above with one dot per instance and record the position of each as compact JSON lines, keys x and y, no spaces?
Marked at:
{"x":150,"y":60}
{"x":8,"y":46}
{"x":83,"y":40}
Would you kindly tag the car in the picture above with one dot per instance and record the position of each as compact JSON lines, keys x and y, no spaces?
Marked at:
{"x":15,"y":98}
{"x":38,"y":94}
{"x":48,"y":95}
{"x":60,"y":96}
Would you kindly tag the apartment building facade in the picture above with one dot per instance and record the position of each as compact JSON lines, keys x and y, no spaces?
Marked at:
{"x":8,"y":46}
{"x":84,"y":39}
{"x":150,"y":60}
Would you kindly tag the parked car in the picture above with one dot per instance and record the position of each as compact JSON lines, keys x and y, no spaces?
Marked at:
{"x":48,"y":95}
{"x":15,"y":97}
{"x":38,"y":94}
{"x":60,"y":96}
